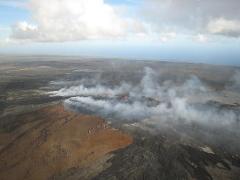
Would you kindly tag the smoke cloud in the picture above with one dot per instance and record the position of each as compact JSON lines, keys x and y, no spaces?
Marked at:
{"x":165,"y":101}
{"x":235,"y":80}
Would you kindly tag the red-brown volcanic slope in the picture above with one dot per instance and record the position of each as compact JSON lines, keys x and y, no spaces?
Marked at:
{"x":55,"y":140}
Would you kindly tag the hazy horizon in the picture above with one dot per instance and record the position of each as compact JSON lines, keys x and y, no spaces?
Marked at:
{"x":191,"y":30}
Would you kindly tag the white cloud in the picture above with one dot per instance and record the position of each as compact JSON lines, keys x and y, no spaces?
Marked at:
{"x":74,"y":20}
{"x":4,"y":32}
{"x":164,"y":37}
{"x":193,"y":16}
{"x":3,"y":42}
{"x":71,"y":20}
{"x":6,"y":41}
{"x":224,"y":27}
{"x":201,"y":38}
{"x":24,"y":30}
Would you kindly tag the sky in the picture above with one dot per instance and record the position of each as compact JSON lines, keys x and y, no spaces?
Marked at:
{"x":199,"y":31}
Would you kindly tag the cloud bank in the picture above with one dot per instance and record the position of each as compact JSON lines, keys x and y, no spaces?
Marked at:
{"x":163,"y":20}
{"x":215,"y":16}
{"x":224,"y":27}
{"x":73,"y":20}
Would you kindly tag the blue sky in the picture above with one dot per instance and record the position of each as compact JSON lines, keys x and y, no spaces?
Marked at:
{"x":123,"y":29}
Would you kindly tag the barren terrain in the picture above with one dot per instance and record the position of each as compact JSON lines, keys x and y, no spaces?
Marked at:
{"x":53,"y":140}
{"x":79,"y":118}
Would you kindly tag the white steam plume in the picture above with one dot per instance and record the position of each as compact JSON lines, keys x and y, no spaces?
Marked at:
{"x":167,"y":102}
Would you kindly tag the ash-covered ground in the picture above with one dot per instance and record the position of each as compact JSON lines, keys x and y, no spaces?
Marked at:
{"x":184,"y":118}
